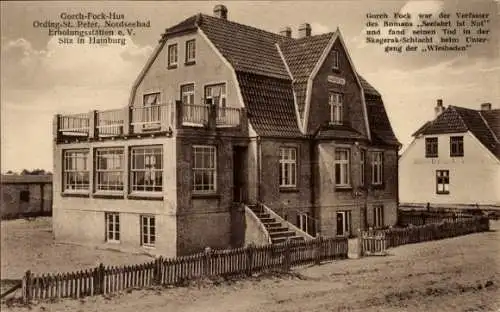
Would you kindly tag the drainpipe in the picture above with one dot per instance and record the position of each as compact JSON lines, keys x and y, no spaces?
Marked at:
{"x":259,"y":169}
{"x":312,"y":183}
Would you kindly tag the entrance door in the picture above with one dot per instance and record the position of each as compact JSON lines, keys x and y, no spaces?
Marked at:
{"x":343,"y":223}
{"x":239,"y":174}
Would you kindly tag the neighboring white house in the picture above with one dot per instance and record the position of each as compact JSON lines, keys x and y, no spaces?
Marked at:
{"x":453,"y":159}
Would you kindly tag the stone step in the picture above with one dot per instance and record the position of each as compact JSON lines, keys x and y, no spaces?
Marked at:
{"x":263,"y":215}
{"x":267,"y":220}
{"x":277,"y":229}
{"x":282,"y":234}
{"x":272,"y":225}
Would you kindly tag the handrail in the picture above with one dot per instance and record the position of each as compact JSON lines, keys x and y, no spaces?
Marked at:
{"x":276,"y":216}
{"x":261,"y":225}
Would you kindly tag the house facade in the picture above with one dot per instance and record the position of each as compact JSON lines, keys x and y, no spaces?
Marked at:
{"x":454,"y":159}
{"x":225,"y":115}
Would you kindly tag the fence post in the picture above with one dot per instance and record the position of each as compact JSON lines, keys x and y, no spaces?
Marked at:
{"x":318,"y":245}
{"x":157,"y":271}
{"x":206,"y":263}
{"x":250,"y":253}
{"x":27,"y":287}
{"x":360,"y":244}
{"x":99,"y":279}
{"x":286,"y":258}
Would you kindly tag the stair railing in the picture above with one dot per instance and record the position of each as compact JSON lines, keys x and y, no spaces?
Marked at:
{"x":291,"y":226}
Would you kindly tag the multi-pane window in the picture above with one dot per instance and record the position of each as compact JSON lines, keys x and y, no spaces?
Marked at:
{"x":362,"y":168}
{"x":431,"y":147}
{"x":152,"y":111}
{"x":112,"y":227}
{"x":335,"y":57}
{"x":76,"y":170}
{"x":377,"y":168}
{"x":442,"y":181}
{"x":187,"y":98}
{"x":172,"y":55}
{"x":216,"y":95}
{"x":343,"y":223}
{"x":109,"y":169}
{"x":288,"y":167}
{"x":148,"y":231}
{"x":378,"y":216}
{"x":456,"y":146}
{"x":336,"y":108}
{"x":342,"y":167}
{"x":146,"y":168}
{"x":204,"y":168}
{"x":190,"y":51}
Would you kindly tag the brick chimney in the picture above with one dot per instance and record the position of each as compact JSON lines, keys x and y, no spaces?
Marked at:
{"x":439,"y":107}
{"x":304,"y":30}
{"x":286,"y":32}
{"x":486,"y":106}
{"x":220,"y":11}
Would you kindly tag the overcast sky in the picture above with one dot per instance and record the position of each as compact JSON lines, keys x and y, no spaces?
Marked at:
{"x":40,"y":78}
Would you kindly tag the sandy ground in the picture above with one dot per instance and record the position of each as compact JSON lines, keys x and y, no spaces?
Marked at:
{"x":457,"y":274}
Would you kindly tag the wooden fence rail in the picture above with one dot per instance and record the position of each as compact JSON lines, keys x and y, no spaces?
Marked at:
{"x":174,"y":271}
{"x":377,"y":241}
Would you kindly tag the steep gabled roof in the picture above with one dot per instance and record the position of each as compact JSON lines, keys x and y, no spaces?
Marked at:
{"x":455,"y":119}
{"x":273,"y":73}
{"x":380,"y":126}
{"x":270,"y":105}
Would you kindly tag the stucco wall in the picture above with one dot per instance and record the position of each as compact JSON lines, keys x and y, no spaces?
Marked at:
{"x":209,"y":69}
{"x":80,"y":219}
{"x":474,"y":178}
{"x":255,"y":232}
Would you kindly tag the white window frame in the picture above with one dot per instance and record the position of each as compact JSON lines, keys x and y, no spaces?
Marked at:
{"x":303,"y":221}
{"x":431,"y":146}
{"x":148,"y":231}
{"x":202,"y":170}
{"x":442,"y":182}
{"x":172,"y":55}
{"x":152,"y":171}
{"x":76,"y":158}
{"x":288,"y":167}
{"x":377,"y":167}
{"x":457,"y":142}
{"x":191,"y":51}
{"x":378,"y":216}
{"x":346,"y":223}
{"x":115,"y":167}
{"x":336,"y":60}
{"x":335,"y":100}
{"x":112,"y":224}
{"x":342,"y":167}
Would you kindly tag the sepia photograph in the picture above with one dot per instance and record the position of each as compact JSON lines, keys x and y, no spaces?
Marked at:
{"x":237,"y":156}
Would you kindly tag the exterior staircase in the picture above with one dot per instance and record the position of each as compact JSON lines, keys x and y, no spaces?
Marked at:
{"x":279,"y":230}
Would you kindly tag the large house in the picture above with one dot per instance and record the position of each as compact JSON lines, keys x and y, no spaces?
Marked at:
{"x":225,"y":113}
{"x":454,"y":160}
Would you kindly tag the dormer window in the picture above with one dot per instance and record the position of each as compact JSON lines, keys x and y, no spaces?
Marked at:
{"x":172,"y":56}
{"x":190,"y":52}
{"x":336,"y":108}
{"x":335,"y":62}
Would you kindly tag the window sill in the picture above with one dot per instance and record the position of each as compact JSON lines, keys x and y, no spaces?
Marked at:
{"x":456,"y":156}
{"x":431,"y":156}
{"x":197,"y":195}
{"x":289,"y":189}
{"x":146,"y":196}
{"x":443,"y":193}
{"x":75,"y":194}
{"x":189,"y":63}
{"x":103,"y":194}
{"x":172,"y":66}
{"x":148,"y":247}
{"x":343,"y":188}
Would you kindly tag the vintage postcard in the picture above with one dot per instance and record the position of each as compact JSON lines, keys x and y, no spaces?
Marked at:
{"x":250,"y":155}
